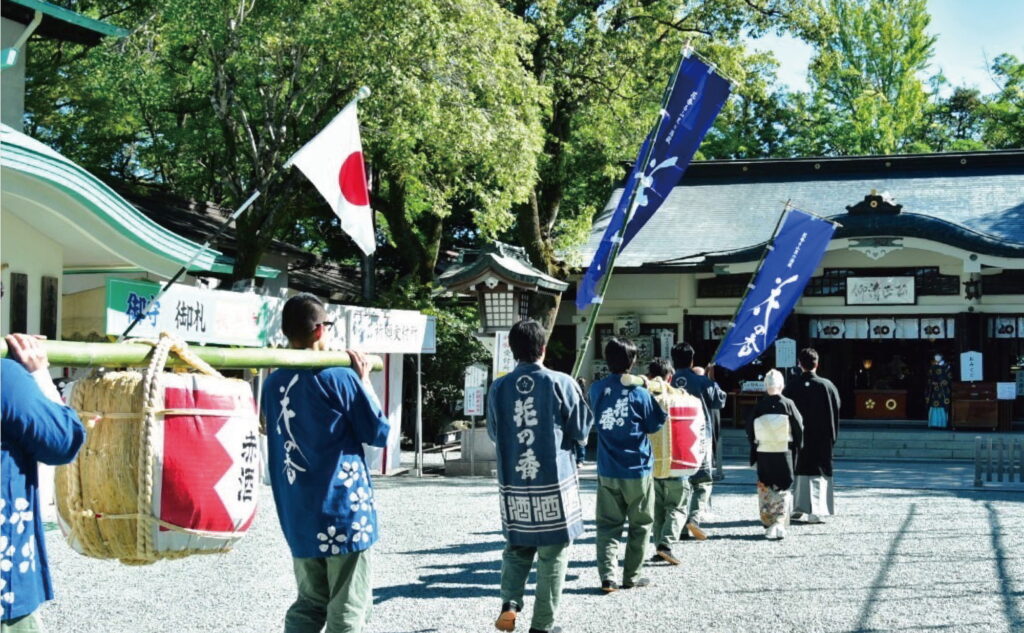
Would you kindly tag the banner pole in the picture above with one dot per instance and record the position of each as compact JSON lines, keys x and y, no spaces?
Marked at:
{"x":595,"y":307}
{"x":760,"y":263}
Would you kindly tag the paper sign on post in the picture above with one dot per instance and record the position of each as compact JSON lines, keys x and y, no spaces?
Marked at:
{"x":504,"y":362}
{"x":970,"y":366}
{"x":785,"y":353}
{"x":473,"y":401}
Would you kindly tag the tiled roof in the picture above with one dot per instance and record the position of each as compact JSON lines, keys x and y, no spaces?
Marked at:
{"x":733,"y":205}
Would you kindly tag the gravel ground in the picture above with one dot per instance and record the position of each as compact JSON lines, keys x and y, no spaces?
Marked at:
{"x":895,"y":559}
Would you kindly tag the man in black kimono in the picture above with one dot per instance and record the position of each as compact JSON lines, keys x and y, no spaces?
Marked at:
{"x":817,"y":399}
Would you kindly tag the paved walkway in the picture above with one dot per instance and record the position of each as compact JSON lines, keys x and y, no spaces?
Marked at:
{"x":913,"y":549}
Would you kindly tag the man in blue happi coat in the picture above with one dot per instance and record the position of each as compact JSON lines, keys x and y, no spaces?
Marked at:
{"x":626,"y":414}
{"x":697,"y":499}
{"x":536,"y":417}
{"x":35,"y":427}
{"x":317,"y":421}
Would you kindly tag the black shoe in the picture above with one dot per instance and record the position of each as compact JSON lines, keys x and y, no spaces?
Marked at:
{"x":684,"y":535}
{"x":554,"y":629}
{"x":636,"y":584}
{"x":609,"y":586}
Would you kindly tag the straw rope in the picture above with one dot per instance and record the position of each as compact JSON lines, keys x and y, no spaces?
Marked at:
{"x":100,"y":477}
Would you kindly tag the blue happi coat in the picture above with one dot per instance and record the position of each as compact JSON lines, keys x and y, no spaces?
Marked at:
{"x":317,"y":422}
{"x":536,"y":417}
{"x":33,"y":429}
{"x":626,"y":415}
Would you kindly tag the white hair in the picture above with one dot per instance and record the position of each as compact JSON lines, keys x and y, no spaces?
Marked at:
{"x":774,"y":382}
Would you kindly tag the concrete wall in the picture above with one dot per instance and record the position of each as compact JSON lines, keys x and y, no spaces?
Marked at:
{"x":25,"y":250}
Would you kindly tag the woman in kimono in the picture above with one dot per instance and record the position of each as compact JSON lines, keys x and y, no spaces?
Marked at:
{"x":775,"y":431}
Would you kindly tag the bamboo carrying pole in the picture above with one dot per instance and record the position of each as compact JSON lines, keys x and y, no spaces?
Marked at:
{"x":75,"y":354}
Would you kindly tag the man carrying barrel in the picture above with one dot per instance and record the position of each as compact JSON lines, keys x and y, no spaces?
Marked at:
{"x":35,"y":427}
{"x":317,"y":421}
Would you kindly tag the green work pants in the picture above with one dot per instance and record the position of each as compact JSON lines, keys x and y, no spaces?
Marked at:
{"x":552,"y":563}
{"x":618,"y":501}
{"x":25,"y":624}
{"x":697,"y":501}
{"x":668,"y":509}
{"x":334,"y":591}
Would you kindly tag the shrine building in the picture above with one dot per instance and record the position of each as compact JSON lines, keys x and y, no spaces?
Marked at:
{"x":928,"y":259}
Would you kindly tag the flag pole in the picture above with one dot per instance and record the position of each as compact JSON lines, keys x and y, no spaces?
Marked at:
{"x":181,"y":271}
{"x":750,"y":286}
{"x":363,"y":93}
{"x":617,"y":240}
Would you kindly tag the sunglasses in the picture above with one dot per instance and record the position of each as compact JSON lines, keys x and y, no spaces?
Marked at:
{"x":326,"y":324}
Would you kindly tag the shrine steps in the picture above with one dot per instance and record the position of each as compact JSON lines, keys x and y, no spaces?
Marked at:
{"x":895,"y":443}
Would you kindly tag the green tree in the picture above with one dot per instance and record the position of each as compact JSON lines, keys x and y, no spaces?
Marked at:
{"x":208,"y":99}
{"x":758,"y":120}
{"x":1003,"y":127}
{"x":953,"y":123}
{"x":606,"y":65}
{"x":867,"y":95}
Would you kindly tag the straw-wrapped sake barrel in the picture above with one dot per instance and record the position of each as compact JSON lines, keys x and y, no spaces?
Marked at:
{"x":170,"y":464}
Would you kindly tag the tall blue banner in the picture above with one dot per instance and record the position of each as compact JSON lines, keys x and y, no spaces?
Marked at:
{"x":696,"y":98}
{"x":795,"y":253}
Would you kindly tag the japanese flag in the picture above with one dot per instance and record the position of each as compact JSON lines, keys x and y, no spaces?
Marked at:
{"x":333,"y":162}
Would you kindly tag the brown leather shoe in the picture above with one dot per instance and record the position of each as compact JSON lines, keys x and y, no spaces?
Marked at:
{"x":697,"y":533}
{"x":507,"y":620}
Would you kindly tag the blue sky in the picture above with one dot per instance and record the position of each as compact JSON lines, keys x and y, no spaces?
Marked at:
{"x":969,"y":32}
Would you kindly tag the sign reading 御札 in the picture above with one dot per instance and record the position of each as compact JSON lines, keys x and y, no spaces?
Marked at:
{"x":197,"y":315}
{"x":220,"y":317}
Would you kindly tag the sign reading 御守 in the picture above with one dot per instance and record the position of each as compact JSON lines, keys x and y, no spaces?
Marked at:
{"x":880,"y":291}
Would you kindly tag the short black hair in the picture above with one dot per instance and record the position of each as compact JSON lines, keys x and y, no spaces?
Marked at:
{"x":659,"y":367}
{"x":527,"y":339}
{"x":808,"y":358}
{"x":620,"y":354}
{"x":300,"y":316}
{"x":682,"y":355}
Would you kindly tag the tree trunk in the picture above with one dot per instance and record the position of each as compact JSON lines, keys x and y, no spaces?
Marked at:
{"x":544,"y":308}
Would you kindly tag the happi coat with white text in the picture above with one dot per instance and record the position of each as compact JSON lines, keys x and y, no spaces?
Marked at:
{"x":536,"y":417}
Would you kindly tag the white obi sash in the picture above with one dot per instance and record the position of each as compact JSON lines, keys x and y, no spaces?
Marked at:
{"x":771,"y":431}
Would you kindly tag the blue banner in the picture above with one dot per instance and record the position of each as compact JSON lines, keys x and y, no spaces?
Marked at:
{"x":794,"y":254}
{"x":696,"y":98}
